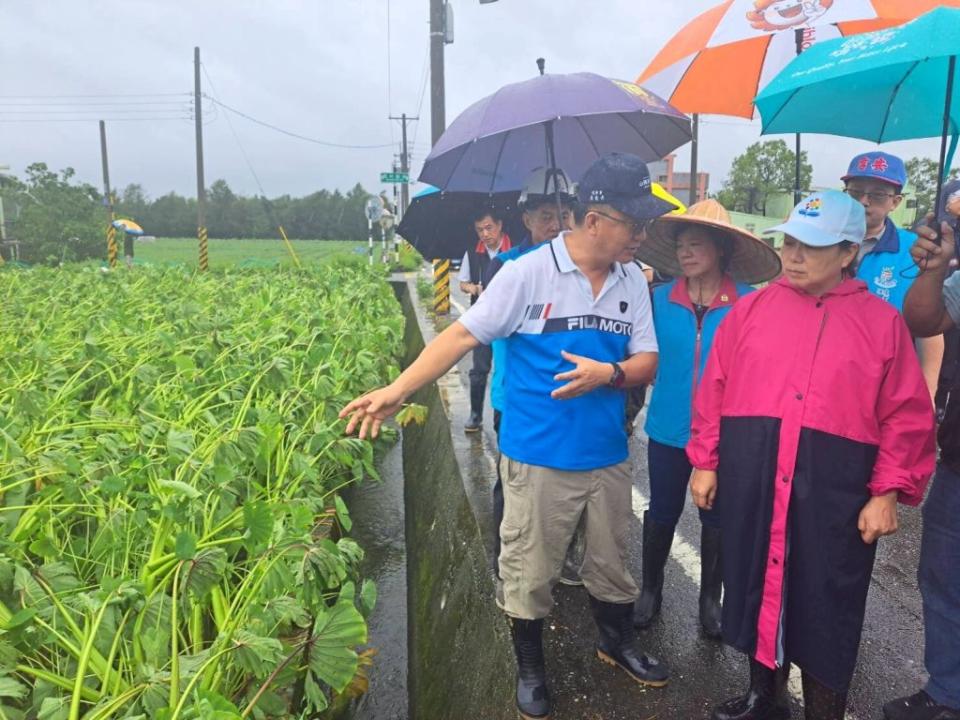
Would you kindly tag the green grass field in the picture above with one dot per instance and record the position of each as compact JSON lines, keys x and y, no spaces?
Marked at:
{"x":256,"y":253}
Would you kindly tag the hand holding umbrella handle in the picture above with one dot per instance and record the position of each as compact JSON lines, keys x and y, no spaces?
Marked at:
{"x":929,"y":223}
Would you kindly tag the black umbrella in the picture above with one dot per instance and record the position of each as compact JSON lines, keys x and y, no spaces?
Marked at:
{"x":440,"y":224}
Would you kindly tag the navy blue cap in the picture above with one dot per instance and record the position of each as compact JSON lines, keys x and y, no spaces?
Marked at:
{"x":878,"y":166}
{"x":623,"y":182}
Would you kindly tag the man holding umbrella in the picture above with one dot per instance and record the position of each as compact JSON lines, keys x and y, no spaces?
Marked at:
{"x":577,"y":311}
{"x":492,"y":240}
{"x":932,"y":307}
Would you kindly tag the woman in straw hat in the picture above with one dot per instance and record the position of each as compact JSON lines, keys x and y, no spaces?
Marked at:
{"x":811,"y":422}
{"x":712,"y":261}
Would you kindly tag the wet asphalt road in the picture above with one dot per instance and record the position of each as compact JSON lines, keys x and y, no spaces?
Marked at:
{"x":703,"y":672}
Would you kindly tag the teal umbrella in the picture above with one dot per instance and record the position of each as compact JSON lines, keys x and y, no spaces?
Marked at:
{"x":894,"y":84}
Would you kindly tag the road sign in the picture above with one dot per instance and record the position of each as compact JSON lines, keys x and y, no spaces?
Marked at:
{"x":374,"y":209}
{"x":395,"y":177}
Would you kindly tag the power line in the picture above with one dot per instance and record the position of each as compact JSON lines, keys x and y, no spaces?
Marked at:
{"x":105,"y":95}
{"x":316,"y":141}
{"x":236,"y":136}
{"x":393,"y":138}
{"x":81,"y":112}
{"x":389,"y":67}
{"x":92,"y":119}
{"x":734,"y":123}
{"x":106,"y":103}
{"x":424,"y":75}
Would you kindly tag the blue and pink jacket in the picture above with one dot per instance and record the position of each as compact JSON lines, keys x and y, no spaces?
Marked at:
{"x":807,"y":408}
{"x":684,"y":347}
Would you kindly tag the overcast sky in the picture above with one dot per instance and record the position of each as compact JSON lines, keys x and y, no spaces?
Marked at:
{"x":318,"y":68}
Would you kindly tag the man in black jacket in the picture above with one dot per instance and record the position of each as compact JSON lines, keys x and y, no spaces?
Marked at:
{"x":492,"y":240}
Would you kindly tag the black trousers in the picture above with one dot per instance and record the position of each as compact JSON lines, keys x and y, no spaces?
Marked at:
{"x":482,"y":361}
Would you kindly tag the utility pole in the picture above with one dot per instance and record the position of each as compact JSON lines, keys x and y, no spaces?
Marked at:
{"x":396,"y":201}
{"x":108,"y":199}
{"x":694,"y":170}
{"x":201,"y":188}
{"x":404,"y":162}
{"x":438,"y":120}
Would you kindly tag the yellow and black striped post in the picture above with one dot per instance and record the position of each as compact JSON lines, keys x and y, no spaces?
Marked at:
{"x":204,"y":260}
{"x":441,"y":287}
{"x":111,"y":244}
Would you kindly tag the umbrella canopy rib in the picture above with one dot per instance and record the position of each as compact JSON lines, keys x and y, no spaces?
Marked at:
{"x":462,"y":153}
{"x":633,"y":127}
{"x":763,"y":62}
{"x":496,"y":163}
{"x":793,"y":94}
{"x":587,"y":135}
{"x":893,"y":99}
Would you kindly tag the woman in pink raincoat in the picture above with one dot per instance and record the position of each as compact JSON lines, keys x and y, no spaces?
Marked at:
{"x":811,"y":422}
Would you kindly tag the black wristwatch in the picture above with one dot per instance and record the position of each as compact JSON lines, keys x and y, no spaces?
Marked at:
{"x":618,"y":378}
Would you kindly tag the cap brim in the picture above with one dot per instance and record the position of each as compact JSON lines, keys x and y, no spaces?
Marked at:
{"x":806,"y":233}
{"x":888,"y":181}
{"x":647,"y":207}
{"x":753,"y":261}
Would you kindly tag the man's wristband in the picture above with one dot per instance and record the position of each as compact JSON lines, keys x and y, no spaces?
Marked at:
{"x":618,"y":378}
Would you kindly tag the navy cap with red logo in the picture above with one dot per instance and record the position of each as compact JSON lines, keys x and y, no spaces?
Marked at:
{"x":623,"y":182}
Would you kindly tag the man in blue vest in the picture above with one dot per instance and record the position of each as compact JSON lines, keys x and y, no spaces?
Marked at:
{"x":876,"y":179}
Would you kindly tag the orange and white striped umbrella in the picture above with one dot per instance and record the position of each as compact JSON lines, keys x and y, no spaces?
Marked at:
{"x":723,"y":58}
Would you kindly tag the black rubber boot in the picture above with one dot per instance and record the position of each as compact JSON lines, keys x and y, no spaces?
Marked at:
{"x":477,"y":392}
{"x":919,"y":706}
{"x":765,"y":700}
{"x":711,"y":581}
{"x":821,"y":702}
{"x":533,"y":698}
{"x":617,"y":644}
{"x":657,"y":540}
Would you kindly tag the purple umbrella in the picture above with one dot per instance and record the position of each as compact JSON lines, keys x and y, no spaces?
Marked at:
{"x":495,"y":143}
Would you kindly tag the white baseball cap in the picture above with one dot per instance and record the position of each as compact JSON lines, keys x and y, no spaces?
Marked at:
{"x":825,"y":218}
{"x":543,"y":184}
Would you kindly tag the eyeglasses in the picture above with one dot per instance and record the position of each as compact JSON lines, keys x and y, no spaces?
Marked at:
{"x":636,"y":227}
{"x":875,"y":198}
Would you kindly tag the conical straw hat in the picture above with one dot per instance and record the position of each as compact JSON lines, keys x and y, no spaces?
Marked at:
{"x":753,"y":260}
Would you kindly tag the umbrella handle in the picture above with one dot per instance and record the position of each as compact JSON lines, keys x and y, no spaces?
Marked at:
{"x":944,"y":169}
{"x":551,"y":152}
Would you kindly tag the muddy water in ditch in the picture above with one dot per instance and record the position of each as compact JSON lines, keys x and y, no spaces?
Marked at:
{"x":377,"y":509}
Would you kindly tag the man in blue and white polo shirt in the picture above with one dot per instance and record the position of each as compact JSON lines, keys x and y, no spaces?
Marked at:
{"x":577,"y":314}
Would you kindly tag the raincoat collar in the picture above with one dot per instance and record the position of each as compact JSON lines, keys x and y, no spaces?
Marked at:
{"x":726,"y":295}
{"x":850,"y":286}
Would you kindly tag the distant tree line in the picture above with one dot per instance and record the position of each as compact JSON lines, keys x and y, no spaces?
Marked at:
{"x":322,"y":215}
{"x":768,"y":168}
{"x":57,"y":219}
